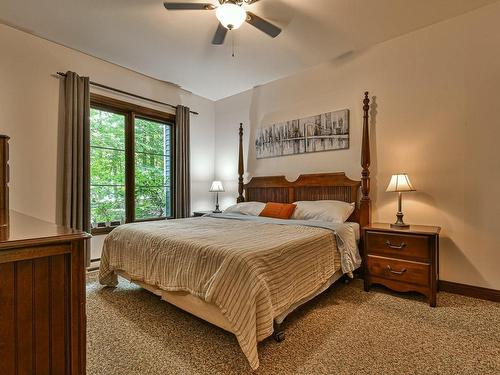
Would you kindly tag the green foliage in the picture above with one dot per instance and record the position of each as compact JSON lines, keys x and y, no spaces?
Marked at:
{"x":107,"y":160}
{"x":152,"y":169}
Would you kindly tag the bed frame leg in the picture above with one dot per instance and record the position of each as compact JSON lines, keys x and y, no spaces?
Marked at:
{"x":279,"y":333}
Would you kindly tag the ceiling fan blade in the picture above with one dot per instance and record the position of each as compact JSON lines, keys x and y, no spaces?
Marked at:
{"x":188,"y":6}
{"x":263,"y":25}
{"x":220,"y":35}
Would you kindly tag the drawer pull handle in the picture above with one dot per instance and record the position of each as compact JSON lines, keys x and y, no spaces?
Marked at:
{"x":399,"y":247}
{"x":396,"y":272}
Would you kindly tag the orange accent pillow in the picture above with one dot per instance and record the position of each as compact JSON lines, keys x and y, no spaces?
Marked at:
{"x":278,"y":210}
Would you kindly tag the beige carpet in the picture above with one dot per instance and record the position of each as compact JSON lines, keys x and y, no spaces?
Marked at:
{"x":343,"y":331}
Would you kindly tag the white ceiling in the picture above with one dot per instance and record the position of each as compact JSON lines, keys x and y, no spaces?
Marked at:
{"x":174,"y":46}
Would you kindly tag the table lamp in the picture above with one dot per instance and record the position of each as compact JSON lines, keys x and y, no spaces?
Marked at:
{"x":216,"y":188}
{"x":400,"y":183}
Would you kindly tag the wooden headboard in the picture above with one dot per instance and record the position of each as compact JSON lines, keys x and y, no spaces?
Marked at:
{"x":308,"y":187}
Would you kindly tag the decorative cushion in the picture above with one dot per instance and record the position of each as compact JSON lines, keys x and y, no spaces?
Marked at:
{"x":278,"y":210}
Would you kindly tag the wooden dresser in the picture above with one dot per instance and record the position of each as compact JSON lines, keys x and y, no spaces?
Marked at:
{"x":42,"y":298}
{"x":402,"y":259}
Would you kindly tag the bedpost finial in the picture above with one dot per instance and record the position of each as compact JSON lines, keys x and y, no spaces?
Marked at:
{"x":366,"y":102}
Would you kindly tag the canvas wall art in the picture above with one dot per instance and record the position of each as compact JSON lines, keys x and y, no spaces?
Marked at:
{"x":325,"y":132}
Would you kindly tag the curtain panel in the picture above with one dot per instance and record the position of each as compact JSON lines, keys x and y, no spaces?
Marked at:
{"x":182,"y":170}
{"x":76,"y":151}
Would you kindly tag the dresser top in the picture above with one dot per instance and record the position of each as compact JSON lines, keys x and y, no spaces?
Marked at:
{"x":24,"y":230}
{"x":415,"y":229}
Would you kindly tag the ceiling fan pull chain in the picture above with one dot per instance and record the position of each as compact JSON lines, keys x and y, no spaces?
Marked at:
{"x":232,"y":43}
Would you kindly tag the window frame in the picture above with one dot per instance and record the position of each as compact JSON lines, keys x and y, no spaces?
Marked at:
{"x":131,"y":111}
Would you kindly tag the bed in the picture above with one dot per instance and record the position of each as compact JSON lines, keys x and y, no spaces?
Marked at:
{"x":245,"y":274}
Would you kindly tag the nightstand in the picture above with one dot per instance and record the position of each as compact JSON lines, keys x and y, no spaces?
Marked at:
{"x":201,"y":213}
{"x":402,"y":259}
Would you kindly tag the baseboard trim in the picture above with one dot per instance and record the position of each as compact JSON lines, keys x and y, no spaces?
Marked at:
{"x":470,"y":290}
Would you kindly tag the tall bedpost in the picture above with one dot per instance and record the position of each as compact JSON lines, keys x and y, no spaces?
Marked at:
{"x":365,"y":204}
{"x":241,"y":169}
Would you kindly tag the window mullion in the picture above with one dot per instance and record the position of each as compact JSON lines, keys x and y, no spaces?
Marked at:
{"x":130,"y":168}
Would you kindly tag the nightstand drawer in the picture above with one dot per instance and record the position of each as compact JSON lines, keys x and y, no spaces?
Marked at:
{"x":397,"y":245}
{"x":399,"y":270}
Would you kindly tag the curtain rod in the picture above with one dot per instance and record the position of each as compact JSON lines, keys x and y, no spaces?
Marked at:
{"x":129,"y":94}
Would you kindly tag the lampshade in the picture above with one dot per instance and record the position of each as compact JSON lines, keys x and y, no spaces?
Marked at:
{"x":230,"y":15}
{"x":216,"y":187}
{"x":399,"y":183}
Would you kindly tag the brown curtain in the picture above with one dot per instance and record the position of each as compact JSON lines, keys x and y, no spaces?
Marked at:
{"x":76,"y":151}
{"x":182,"y":171}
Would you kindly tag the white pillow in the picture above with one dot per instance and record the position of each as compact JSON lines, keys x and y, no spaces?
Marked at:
{"x":327,"y":210}
{"x":246,"y":208}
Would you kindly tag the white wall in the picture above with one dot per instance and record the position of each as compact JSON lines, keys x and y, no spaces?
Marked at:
{"x":434,"y":115}
{"x":29,"y":110}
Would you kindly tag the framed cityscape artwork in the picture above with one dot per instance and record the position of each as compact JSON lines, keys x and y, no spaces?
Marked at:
{"x":326,"y":132}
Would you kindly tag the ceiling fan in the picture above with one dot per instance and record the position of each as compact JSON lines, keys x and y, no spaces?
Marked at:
{"x":231,"y":15}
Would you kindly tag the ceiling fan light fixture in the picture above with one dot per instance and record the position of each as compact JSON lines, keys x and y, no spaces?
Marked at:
{"x":231,"y":15}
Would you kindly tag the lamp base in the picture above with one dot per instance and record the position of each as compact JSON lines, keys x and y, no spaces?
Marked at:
{"x":217,"y":211}
{"x":400,"y":224}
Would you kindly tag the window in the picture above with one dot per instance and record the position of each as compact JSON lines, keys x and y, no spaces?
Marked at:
{"x":107,"y":167}
{"x":131,"y":151}
{"x":152,"y":169}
